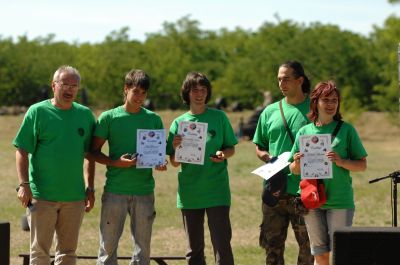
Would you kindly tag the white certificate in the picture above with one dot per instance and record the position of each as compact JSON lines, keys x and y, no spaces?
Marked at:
{"x":193,"y":145}
{"x":314,"y":163}
{"x":150,"y":148}
{"x":271,"y":168}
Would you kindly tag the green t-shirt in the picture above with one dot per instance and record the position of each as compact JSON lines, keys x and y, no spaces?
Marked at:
{"x":56,"y":141}
{"x":204,"y":186}
{"x":119,"y":128}
{"x":272,"y":136}
{"x":347,"y":144}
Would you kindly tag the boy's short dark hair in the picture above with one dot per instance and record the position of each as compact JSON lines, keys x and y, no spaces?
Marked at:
{"x":137,"y":78}
{"x":193,"y":80}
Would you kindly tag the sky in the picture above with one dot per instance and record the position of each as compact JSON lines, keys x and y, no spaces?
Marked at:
{"x":92,"y":20}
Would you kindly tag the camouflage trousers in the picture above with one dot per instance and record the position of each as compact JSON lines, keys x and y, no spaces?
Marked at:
{"x":274,"y":229}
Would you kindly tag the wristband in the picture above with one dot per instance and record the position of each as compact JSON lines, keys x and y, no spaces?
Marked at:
{"x":23,"y":184}
{"x":90,"y":189}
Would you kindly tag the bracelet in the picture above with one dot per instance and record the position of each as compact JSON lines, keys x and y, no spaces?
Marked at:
{"x":90,"y":189}
{"x":22,"y":185}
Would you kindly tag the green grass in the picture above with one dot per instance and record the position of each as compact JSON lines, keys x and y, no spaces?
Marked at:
{"x":373,"y":205}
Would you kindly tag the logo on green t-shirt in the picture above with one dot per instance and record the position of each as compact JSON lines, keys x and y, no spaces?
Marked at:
{"x":81,"y":131}
{"x":212,"y":133}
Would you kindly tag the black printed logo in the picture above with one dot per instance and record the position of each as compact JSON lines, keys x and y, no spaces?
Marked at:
{"x":81,"y":131}
{"x":212,"y":133}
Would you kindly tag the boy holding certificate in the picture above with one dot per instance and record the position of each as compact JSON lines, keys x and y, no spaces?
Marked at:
{"x":346,"y":154}
{"x":128,"y":190}
{"x":203,"y":179}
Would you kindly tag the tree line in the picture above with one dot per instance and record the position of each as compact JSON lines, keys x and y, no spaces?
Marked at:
{"x":240,"y":63}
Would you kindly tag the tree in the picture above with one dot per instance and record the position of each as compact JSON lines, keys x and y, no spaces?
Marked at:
{"x":385,"y":42}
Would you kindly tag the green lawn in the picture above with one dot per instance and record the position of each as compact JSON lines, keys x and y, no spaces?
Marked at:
{"x":380,"y":138}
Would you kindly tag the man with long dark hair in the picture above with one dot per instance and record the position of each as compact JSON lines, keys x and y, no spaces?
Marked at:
{"x":272,"y":138}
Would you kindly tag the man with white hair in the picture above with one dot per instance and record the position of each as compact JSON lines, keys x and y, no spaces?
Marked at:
{"x":52,"y":171}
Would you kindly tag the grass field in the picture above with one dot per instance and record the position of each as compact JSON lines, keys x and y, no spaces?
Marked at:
{"x":373,"y":201}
